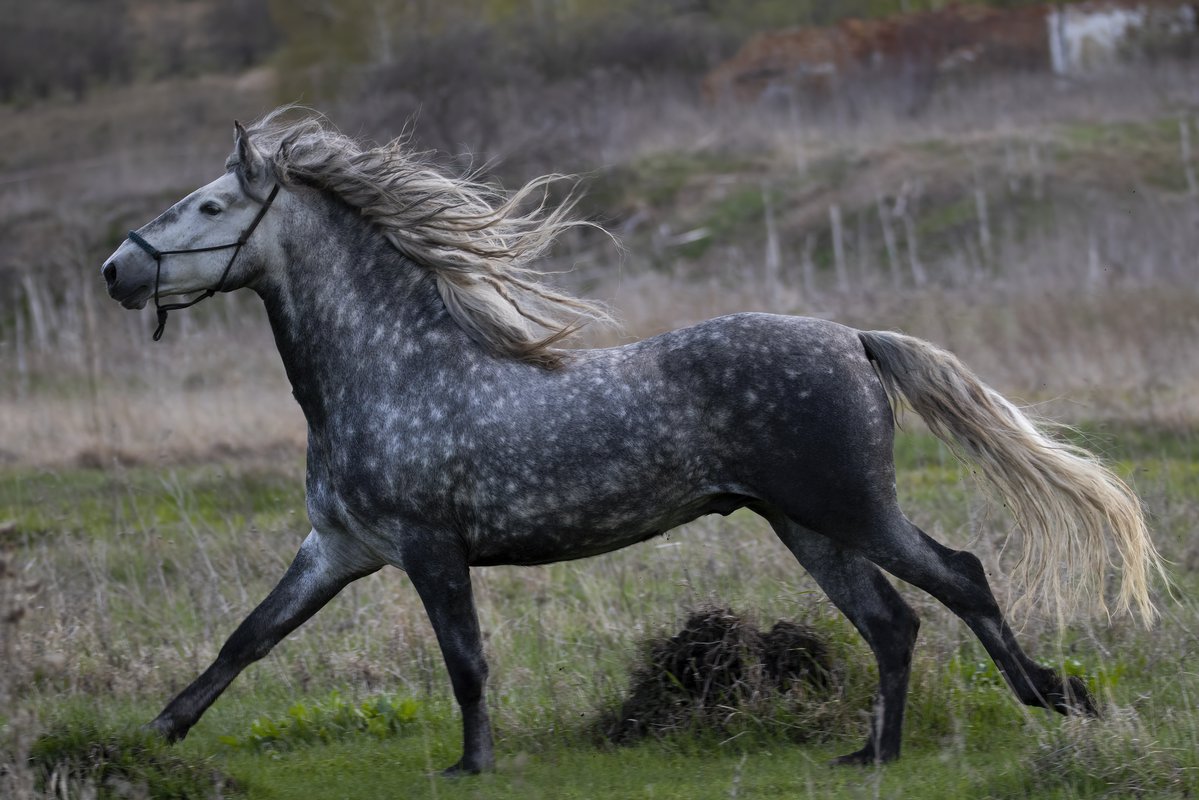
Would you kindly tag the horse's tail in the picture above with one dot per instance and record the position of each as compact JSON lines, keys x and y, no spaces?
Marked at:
{"x":1061,"y":495}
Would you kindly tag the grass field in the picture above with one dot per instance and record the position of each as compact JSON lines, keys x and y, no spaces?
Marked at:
{"x":129,"y":579}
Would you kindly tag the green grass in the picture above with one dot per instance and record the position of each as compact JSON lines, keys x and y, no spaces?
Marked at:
{"x":1147,"y":150}
{"x":105,"y":503}
{"x":991,"y":756}
{"x":119,"y":761}
{"x":142,"y":573}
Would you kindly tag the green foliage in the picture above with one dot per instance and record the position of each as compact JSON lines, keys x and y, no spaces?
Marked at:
{"x":122,"y":763}
{"x":1144,"y":150}
{"x":380,"y":717}
{"x":979,"y":673}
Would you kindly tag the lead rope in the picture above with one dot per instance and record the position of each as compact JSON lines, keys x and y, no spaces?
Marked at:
{"x":157,"y":255}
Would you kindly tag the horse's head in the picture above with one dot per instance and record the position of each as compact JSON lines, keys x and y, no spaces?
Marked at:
{"x":203,"y":243}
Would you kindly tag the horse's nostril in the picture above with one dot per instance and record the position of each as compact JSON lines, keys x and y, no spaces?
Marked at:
{"x":110,"y":273}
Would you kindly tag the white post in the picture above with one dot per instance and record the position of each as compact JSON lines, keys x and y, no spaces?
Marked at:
{"x":889,"y":241}
{"x":834,"y":216}
{"x":1184,"y":143}
{"x":773,"y":254}
{"x":984,"y":221}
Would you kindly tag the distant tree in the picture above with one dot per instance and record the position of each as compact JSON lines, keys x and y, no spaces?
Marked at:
{"x":241,"y":33}
{"x":69,"y":45}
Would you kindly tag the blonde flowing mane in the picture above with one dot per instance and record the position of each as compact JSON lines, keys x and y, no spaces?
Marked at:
{"x":475,"y":238}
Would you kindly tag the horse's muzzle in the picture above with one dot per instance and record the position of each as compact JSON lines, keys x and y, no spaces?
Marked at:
{"x":128,"y":296}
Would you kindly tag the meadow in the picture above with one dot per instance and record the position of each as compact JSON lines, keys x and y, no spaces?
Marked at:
{"x":128,"y":579}
{"x":150,"y":495}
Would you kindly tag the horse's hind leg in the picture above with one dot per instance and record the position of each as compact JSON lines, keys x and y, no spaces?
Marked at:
{"x":320,"y":570}
{"x":957,"y":579}
{"x":885,"y":621}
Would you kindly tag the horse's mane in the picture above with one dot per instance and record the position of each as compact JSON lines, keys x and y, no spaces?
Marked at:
{"x":475,"y":238}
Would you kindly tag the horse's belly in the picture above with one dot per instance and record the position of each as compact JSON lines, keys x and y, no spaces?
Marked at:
{"x":576,"y":535}
{"x":548,"y":546}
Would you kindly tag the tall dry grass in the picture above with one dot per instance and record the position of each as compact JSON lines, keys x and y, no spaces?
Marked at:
{"x":1023,"y":223}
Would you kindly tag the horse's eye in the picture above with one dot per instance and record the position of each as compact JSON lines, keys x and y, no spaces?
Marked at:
{"x":210,"y":209}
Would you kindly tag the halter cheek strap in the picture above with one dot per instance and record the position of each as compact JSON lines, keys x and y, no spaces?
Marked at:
{"x":157,"y":255}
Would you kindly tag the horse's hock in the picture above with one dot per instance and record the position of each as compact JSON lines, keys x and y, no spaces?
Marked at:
{"x":718,"y":661}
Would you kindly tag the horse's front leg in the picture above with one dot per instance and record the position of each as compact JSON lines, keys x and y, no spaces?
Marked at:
{"x":442,"y":579}
{"x":321,"y":568}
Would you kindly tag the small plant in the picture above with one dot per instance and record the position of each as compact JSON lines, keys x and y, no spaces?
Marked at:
{"x":1102,"y":678}
{"x":85,"y":760}
{"x":978,"y":674}
{"x":333,"y":719}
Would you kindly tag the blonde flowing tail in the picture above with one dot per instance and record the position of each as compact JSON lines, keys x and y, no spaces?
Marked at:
{"x":1062,"y":497}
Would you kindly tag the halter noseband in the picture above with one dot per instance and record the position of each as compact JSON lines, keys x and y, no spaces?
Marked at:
{"x":157,"y":255}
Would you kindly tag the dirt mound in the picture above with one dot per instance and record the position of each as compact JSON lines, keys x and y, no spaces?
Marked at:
{"x":717,"y":664}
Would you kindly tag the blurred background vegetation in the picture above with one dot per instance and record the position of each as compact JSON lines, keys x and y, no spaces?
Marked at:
{"x":1000,"y":211}
{"x":75,"y":46}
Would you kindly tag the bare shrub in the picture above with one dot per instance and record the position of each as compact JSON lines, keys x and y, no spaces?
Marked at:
{"x":717,"y":665}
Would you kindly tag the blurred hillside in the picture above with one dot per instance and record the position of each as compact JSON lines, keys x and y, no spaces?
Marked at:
{"x":1045,"y":226}
{"x":73,"y":47}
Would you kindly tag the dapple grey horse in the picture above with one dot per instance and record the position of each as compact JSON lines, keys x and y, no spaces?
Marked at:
{"x":447,"y":430}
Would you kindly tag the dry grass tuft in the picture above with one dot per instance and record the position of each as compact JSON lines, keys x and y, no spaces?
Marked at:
{"x":1114,"y":757}
{"x":85,"y":761}
{"x":716,"y":665}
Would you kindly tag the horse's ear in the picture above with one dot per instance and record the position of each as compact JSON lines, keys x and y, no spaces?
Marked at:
{"x":250,"y":162}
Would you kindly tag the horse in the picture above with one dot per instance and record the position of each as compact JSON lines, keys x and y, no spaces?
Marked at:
{"x":449,"y":428}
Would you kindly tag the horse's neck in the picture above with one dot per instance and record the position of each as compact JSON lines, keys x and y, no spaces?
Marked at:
{"x":352,"y":316}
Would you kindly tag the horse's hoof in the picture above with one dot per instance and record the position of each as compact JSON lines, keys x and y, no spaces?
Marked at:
{"x":461,"y":770}
{"x":862,"y":758}
{"x":164,"y":729}
{"x":1078,"y":698}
